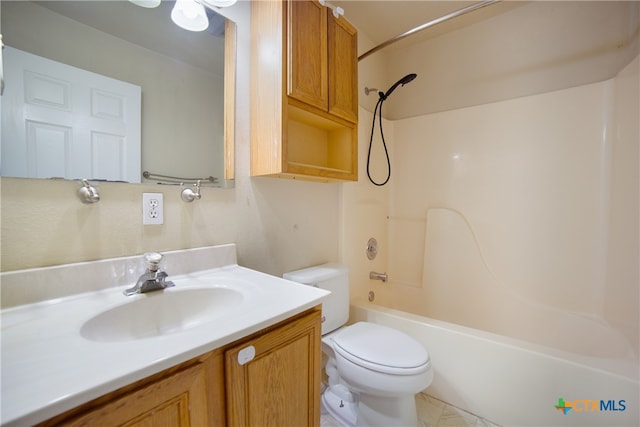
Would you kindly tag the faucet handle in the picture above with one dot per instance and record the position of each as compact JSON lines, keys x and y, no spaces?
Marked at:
{"x":153,"y":260}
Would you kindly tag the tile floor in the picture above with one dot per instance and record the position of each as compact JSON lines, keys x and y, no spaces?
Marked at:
{"x":433,"y":413}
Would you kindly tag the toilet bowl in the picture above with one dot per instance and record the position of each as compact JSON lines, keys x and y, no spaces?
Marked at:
{"x":382,"y":368}
{"x":373,"y":371}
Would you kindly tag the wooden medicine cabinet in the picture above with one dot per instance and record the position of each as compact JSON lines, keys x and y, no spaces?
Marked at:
{"x":304,"y":101}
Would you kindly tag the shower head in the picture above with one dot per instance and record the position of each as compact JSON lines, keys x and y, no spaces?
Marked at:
{"x":403,"y":81}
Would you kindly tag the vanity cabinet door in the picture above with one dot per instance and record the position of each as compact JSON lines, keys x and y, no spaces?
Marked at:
{"x":178,"y":400}
{"x":181,"y":396}
{"x":274,"y":379}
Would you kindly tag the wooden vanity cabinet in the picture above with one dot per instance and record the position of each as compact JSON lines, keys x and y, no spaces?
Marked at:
{"x":304,"y":101}
{"x":279,"y":386}
{"x":190,"y":394}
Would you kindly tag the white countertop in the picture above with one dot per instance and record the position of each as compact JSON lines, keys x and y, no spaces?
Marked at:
{"x":48,"y":367}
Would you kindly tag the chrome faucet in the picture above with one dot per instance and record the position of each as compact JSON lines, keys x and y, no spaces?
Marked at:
{"x":152,"y":279}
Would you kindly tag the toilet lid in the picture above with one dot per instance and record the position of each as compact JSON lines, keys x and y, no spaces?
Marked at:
{"x":381,"y":349}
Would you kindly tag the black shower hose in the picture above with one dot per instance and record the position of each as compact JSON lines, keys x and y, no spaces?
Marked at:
{"x":378,"y":110}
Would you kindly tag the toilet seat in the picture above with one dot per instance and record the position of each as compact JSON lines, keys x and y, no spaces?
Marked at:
{"x":381,"y":349}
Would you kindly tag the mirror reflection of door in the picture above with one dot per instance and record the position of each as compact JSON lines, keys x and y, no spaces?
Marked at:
{"x":60,"y":121}
{"x":186,"y":78}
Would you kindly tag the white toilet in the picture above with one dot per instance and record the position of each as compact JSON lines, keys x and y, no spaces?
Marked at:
{"x":374,"y":371}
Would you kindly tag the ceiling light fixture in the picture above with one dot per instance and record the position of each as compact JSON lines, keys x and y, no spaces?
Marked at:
{"x":219,"y":3}
{"x":190,"y":15}
{"x":150,"y":4}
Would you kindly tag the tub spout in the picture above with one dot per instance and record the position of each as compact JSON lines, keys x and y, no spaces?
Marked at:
{"x":378,"y":276}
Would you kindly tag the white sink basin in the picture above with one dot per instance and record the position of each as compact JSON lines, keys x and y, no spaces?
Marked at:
{"x":160,"y":313}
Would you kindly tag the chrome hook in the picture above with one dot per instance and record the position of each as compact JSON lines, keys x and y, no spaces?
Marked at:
{"x":189,"y":195}
{"x":368,"y":90}
{"x":88,"y":193}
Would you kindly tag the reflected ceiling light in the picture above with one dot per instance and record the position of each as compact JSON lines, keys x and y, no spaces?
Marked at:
{"x":220,"y":3}
{"x":190,"y":15}
{"x":146,"y":3}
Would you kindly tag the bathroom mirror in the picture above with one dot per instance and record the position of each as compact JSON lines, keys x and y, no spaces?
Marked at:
{"x":186,"y":79}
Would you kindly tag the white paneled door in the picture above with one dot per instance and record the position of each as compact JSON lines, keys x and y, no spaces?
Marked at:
{"x":62,"y":121}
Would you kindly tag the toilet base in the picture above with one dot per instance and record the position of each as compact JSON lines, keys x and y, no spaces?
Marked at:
{"x":370,"y":410}
{"x":343,"y":411}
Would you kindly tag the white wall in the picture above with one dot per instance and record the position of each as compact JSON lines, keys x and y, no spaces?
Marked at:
{"x":538,"y":47}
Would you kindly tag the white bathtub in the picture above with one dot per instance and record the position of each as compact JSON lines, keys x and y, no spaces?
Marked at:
{"x":516,"y":383}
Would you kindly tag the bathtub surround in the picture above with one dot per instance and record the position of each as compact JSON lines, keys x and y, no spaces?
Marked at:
{"x":513,"y":210}
{"x":520,"y":211}
{"x":448,"y":262}
{"x":519,"y":218}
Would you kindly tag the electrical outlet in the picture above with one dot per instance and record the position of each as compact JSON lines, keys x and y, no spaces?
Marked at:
{"x":152,"y":208}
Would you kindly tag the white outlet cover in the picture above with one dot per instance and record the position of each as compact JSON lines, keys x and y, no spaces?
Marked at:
{"x":152,"y":209}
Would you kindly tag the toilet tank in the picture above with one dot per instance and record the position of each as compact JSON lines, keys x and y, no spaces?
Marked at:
{"x":331,"y":277}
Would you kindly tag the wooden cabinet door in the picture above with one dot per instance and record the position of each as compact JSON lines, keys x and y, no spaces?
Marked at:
{"x":307,"y":53}
{"x":343,"y":69}
{"x":280,"y":385}
{"x":176,"y":401}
